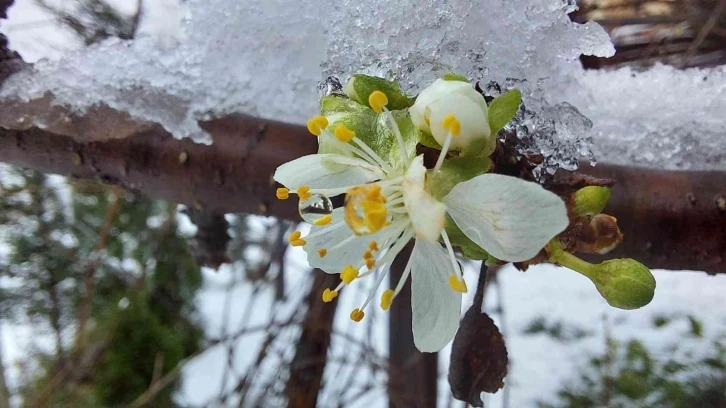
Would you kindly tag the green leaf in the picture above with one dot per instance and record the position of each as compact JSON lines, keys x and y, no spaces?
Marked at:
{"x":455,"y":77}
{"x":454,"y":171}
{"x":503,"y":108}
{"x":361,"y":86}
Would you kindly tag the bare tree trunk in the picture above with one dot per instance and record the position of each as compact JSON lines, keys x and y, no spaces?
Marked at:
{"x":308,"y":365}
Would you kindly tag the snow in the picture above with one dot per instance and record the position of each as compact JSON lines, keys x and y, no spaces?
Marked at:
{"x":201,"y":59}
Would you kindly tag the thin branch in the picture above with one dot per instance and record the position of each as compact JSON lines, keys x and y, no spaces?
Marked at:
{"x":84,"y":307}
{"x":705,"y":30}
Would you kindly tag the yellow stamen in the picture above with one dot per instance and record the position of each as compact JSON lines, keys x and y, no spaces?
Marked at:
{"x":386,"y":299}
{"x":367,"y":255}
{"x":324,"y":220}
{"x":344,"y":134}
{"x":373,"y":246}
{"x":348,"y":274}
{"x":304,"y":192}
{"x":298,"y":242}
{"x":316,"y":124}
{"x":457,"y":284}
{"x":452,"y":124}
{"x":356,"y":315}
{"x":282,"y":193}
{"x":365,"y":209}
{"x":370,"y":263}
{"x":295,"y":239}
{"x":377,"y":100}
{"x":322,"y":252}
{"x":329,"y":295}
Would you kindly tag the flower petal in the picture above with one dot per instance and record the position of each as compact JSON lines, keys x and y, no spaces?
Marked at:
{"x":510,"y":218}
{"x":436,"y":90}
{"x":427,"y":214}
{"x":326,"y":171}
{"x":436,"y":307}
{"x":350,"y":253}
{"x":474,"y":121}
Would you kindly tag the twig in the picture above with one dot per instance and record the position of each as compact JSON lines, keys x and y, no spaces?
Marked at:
{"x":705,"y":30}
{"x":158,"y":367}
{"x":84,"y":307}
{"x":481,"y":286}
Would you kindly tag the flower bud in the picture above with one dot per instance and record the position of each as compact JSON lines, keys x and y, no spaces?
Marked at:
{"x":590,"y":201}
{"x":444,"y":98}
{"x":624,"y":283}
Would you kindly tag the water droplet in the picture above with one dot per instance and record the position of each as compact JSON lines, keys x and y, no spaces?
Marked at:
{"x":331,"y":86}
{"x":315,"y":207}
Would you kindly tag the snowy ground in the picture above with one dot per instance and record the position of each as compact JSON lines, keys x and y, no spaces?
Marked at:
{"x":540,"y":363}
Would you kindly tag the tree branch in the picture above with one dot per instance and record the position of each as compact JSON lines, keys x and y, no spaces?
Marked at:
{"x":671,"y":220}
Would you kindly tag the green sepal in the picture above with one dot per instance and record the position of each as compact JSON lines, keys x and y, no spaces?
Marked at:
{"x":453,"y":171}
{"x":455,"y":77}
{"x":332,"y":104}
{"x":502,"y":110}
{"x":467,"y":247}
{"x":385,"y":143}
{"x":481,"y":147}
{"x":427,"y":140}
{"x":361,"y":86}
{"x":371,"y":128}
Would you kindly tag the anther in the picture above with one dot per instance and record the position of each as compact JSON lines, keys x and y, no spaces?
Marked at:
{"x":373,"y":246}
{"x":329,"y":295}
{"x":370,"y":263}
{"x":452,"y":124}
{"x":316,"y":124}
{"x":457,"y":284}
{"x":282,"y":193}
{"x":324,"y":220}
{"x":348,"y":274}
{"x":357,"y":315}
{"x":322,"y":252}
{"x":386,"y":299}
{"x":295,"y":239}
{"x":303,"y":192}
{"x":377,"y":100}
{"x":344,"y":134}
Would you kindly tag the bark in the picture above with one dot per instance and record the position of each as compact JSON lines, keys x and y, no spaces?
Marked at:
{"x":671,"y":220}
{"x":308,"y":365}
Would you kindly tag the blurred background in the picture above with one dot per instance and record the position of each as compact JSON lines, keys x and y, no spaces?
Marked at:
{"x":161,"y":305}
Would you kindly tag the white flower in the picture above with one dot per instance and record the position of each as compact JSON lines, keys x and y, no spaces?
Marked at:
{"x":386,"y":206}
{"x":457,"y":98}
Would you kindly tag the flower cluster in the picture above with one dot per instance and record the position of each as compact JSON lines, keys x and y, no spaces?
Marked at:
{"x":367,"y":152}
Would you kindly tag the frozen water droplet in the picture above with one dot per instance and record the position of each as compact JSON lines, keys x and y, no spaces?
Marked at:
{"x":315,"y":207}
{"x":330,"y":86}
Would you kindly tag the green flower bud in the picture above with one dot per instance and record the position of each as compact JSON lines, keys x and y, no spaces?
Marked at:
{"x":624,"y":283}
{"x":590,"y":201}
{"x":360,"y":87}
